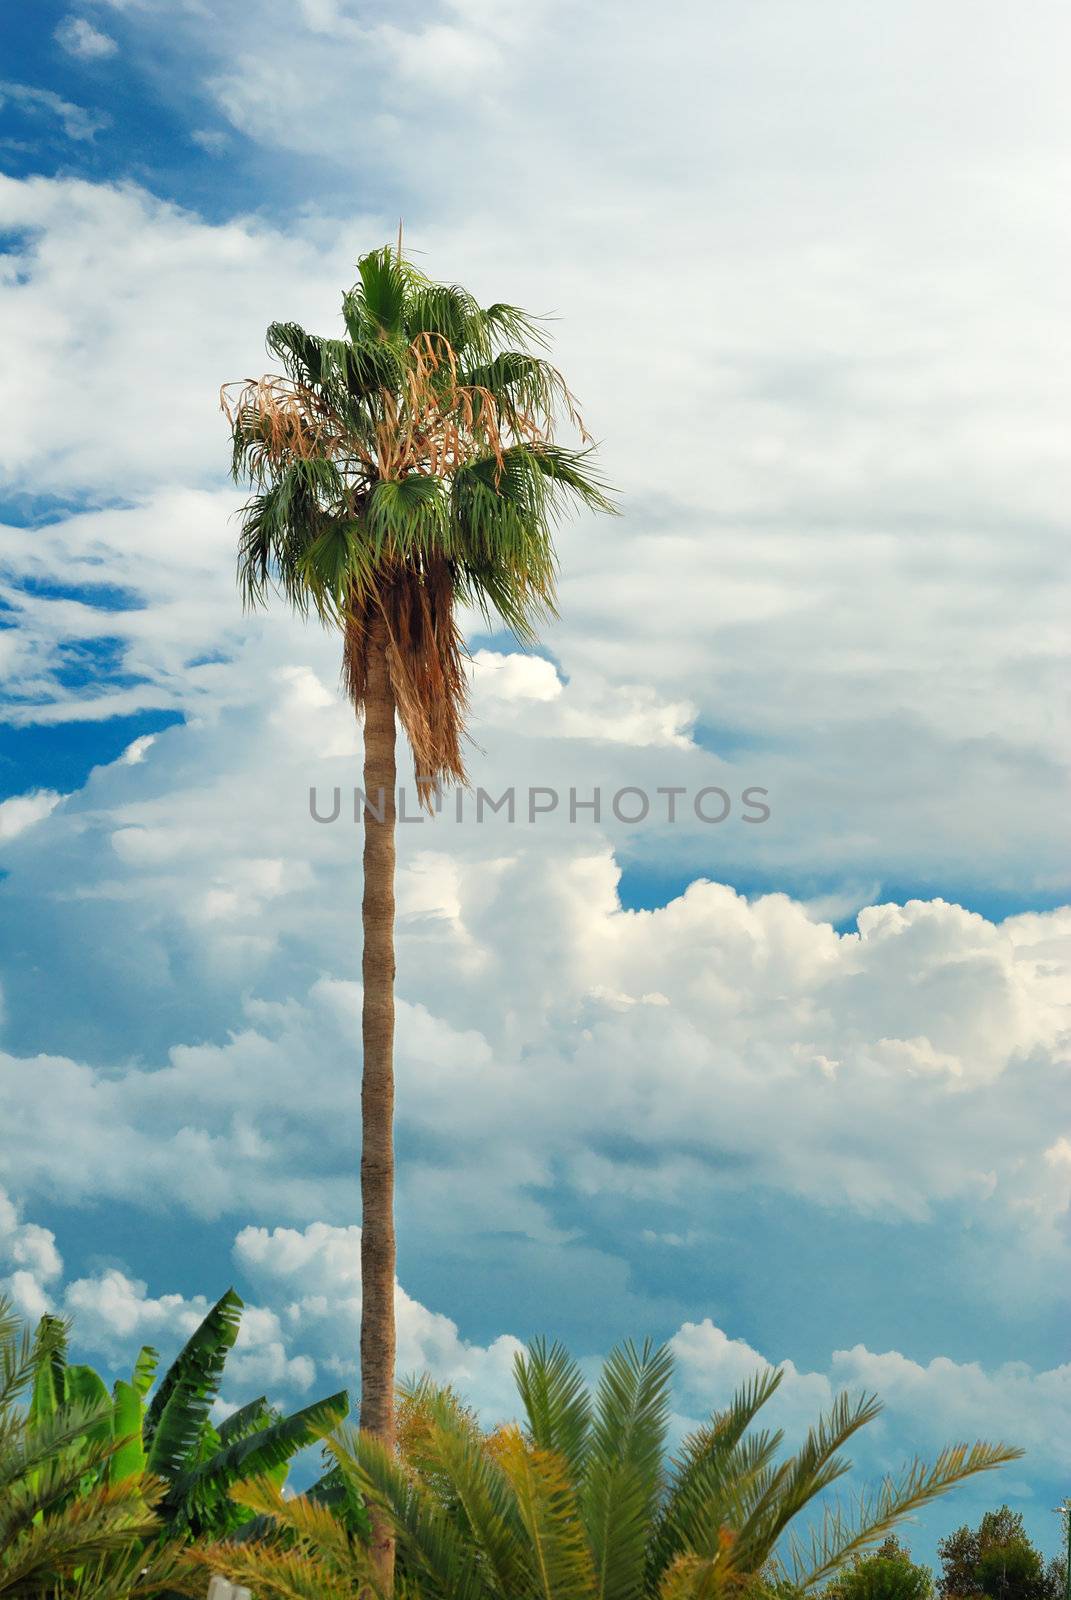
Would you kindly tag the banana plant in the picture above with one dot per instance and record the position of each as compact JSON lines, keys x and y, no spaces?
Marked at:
{"x":168,"y":1433}
{"x":65,"y":1526}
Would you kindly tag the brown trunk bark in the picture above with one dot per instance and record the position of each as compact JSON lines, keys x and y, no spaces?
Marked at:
{"x":377,"y":1081}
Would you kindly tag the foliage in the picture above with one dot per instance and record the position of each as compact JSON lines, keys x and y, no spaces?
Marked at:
{"x":401,"y":470}
{"x":579,"y":1501}
{"x":888,"y":1573}
{"x":64,"y":1522}
{"x":997,"y":1559}
{"x":171,"y":1435}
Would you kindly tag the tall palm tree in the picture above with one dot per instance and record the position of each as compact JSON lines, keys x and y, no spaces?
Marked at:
{"x":579,"y":1502}
{"x":399,"y":473}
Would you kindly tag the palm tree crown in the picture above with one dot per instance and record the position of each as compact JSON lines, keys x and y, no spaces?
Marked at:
{"x":579,"y":1501}
{"x":405,"y":468}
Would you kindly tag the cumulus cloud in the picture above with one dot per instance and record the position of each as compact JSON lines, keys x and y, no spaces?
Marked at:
{"x":31,"y":1258}
{"x":926,"y":1404}
{"x":914,"y":1063}
{"x":826,"y":387}
{"x":302,"y":1330}
{"x":319,"y":1266}
{"x":847,"y":643}
{"x":21,"y":811}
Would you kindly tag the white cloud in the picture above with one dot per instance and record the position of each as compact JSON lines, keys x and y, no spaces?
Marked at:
{"x":29,"y":1253}
{"x":137,"y":750}
{"x":115,"y":1313}
{"x":305,"y":1328}
{"x":927,"y":1405}
{"x":319,"y":1266}
{"x":78,"y":124}
{"x":212,"y":140}
{"x":22,"y":811}
{"x":886,"y":671}
{"x":914,"y":1064}
{"x":826,"y":386}
{"x":81,"y":39}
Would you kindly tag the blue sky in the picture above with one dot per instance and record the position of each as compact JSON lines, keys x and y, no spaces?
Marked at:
{"x":795,"y":1091}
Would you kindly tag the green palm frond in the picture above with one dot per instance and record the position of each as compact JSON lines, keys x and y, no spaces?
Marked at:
{"x":839,"y":1537}
{"x":556,"y":1401}
{"x":581,"y":1504}
{"x":134,"y":1573}
{"x":441,"y":1441}
{"x":380,"y":297}
{"x":18,"y":1356}
{"x":623,"y":1467}
{"x":50,"y":1367}
{"x":716,"y":1478}
{"x":50,"y":1458}
{"x":560,"y":1562}
{"x":403,"y":470}
{"x":432,"y":1547}
{"x":304,"y":1551}
{"x":50,"y":1526}
{"x":814,"y":1468}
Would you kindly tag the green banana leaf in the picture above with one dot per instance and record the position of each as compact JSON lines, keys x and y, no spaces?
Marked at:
{"x":265,"y":1452}
{"x":179,"y":1409}
{"x":129,"y":1460}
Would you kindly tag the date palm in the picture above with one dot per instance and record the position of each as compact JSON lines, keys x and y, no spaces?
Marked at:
{"x":400,"y":473}
{"x":579,"y":1501}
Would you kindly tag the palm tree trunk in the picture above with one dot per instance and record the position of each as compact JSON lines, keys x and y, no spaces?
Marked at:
{"x":377,"y":1081}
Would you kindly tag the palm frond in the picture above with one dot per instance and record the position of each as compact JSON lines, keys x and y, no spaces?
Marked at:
{"x":813,"y":1469}
{"x":303,"y":1552}
{"x":623,"y":1468}
{"x":402,"y":471}
{"x":839,"y":1537}
{"x":430,"y":1544}
{"x":715,"y":1479}
{"x":556,"y":1401}
{"x":442,"y":1443}
{"x":18,"y":1355}
{"x":559,"y":1558}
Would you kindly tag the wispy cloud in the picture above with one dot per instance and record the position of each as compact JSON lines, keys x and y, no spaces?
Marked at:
{"x":212,"y":140}
{"x":80,"y":39}
{"x":77,"y":122}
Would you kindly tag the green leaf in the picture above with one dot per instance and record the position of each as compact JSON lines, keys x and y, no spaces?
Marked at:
{"x":145,"y":1369}
{"x":381,"y":296}
{"x":250,"y":1418}
{"x":623,"y":1475}
{"x":258,"y":1454}
{"x":50,"y":1369}
{"x":556,"y":1400}
{"x":128,"y":1416}
{"x":181,"y":1404}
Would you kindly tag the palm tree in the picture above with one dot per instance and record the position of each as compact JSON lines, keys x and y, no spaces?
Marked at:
{"x":170,"y":1434}
{"x":399,"y":473}
{"x":64,"y":1524}
{"x":579,"y":1502}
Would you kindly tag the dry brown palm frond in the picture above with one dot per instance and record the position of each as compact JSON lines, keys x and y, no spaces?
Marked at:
{"x":282,"y":421}
{"x":435,"y":425}
{"x":426,"y":662}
